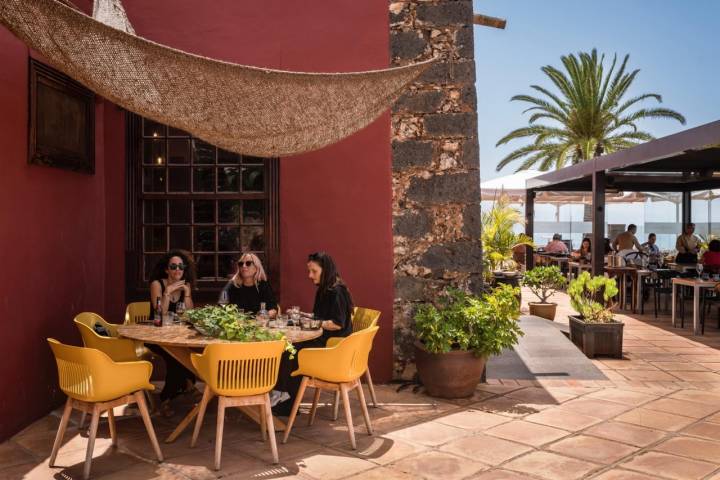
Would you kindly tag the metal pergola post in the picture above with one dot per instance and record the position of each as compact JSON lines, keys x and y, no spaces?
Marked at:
{"x":529,"y":227}
{"x":598,"y":223}
{"x":686,"y":209}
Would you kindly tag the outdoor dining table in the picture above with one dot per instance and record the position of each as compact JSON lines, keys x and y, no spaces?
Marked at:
{"x":579,"y":266}
{"x":698,"y":284}
{"x":182,"y":340}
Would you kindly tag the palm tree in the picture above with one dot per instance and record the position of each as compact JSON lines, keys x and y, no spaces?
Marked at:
{"x":498,"y":237}
{"x":588,"y":117}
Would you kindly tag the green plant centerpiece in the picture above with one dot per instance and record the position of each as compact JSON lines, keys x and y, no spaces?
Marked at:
{"x":458,"y":333}
{"x":229,"y":323}
{"x":595,"y":330}
{"x":543,"y":282}
{"x":499,"y":236}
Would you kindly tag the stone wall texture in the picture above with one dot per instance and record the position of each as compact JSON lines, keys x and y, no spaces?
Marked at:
{"x":436,"y":180}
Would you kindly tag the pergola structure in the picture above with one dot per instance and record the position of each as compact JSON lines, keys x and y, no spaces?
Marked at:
{"x":684,"y":162}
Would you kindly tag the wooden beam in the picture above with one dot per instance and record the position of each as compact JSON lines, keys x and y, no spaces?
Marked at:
{"x":487,"y":21}
{"x":686,"y":209}
{"x":529,"y":227}
{"x":598,"y":223}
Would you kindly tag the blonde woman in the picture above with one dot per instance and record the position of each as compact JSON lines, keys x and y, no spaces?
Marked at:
{"x":249,"y":287}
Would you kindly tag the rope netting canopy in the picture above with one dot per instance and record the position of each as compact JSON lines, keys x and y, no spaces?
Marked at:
{"x":247,"y":110}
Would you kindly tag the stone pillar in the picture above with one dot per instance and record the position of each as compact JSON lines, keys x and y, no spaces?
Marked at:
{"x":436,"y":181}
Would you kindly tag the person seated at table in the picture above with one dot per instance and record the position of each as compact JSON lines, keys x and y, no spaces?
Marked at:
{"x":711,"y":258}
{"x":687,"y":245}
{"x":249,"y":287}
{"x":627,"y":240}
{"x":650,"y":247}
{"x":171,"y":280}
{"x":607,"y":245}
{"x":333,"y":305}
{"x":556,"y":245}
{"x":584,"y":253}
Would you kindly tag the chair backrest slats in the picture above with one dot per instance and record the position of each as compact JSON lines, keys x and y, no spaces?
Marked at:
{"x":138,"y":313}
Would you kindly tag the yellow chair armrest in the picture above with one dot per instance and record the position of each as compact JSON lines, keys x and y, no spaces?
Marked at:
{"x":315,"y":362}
{"x":118,"y":349}
{"x":135,"y":375}
{"x":112,"y":329}
{"x":333,"y":341}
{"x":199,"y":361}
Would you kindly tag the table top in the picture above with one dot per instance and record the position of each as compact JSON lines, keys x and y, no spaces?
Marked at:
{"x":695,"y":282}
{"x":183,"y":335}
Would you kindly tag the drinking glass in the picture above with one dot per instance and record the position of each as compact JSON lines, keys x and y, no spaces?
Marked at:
{"x":223,"y":300}
{"x":179,"y":310}
{"x":699,"y":268}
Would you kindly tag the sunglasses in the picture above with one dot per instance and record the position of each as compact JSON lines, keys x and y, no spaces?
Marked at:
{"x":247,"y":263}
{"x":176,"y":266}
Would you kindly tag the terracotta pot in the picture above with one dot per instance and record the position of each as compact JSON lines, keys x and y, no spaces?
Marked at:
{"x":544,"y":310}
{"x":597,"y":338}
{"x":455,"y":374}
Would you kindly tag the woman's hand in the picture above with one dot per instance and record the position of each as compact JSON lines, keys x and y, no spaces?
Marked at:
{"x":174,"y":287}
{"x":330,"y":325}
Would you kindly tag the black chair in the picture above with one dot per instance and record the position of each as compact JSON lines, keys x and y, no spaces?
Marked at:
{"x":661,"y":284}
{"x":684,"y":293}
{"x":709,"y":297}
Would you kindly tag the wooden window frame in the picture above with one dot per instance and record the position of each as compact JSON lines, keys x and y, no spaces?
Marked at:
{"x":206,"y":291}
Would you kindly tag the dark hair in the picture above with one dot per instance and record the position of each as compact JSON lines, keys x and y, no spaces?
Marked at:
{"x":714,"y":246}
{"x":330,"y":277}
{"x":651,"y":235}
{"x":632,"y":225}
{"x":557,"y":236}
{"x":608,"y":247}
{"x":158,"y":271}
{"x":586,"y":239}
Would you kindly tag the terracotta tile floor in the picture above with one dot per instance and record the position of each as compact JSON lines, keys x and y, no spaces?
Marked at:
{"x":656,"y":417}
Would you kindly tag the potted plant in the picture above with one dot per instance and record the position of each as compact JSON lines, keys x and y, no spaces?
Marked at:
{"x":594,"y":330}
{"x":498,"y":234}
{"x":458,"y":333}
{"x":543,"y":282}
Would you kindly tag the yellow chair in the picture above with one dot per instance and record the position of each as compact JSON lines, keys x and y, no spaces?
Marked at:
{"x":94,"y":383}
{"x":138,"y":313}
{"x":337,"y":369}
{"x":118,"y":349}
{"x":240,"y":374}
{"x":362,"y":318}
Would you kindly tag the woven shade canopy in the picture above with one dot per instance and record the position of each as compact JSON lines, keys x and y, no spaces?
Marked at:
{"x":248,"y":110}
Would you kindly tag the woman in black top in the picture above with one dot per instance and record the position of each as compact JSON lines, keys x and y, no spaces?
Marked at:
{"x":171,"y":280}
{"x":249,"y":287}
{"x":334,"y":306}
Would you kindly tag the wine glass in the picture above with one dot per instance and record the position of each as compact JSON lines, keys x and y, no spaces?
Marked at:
{"x":223,"y":300}
{"x":699,"y":268}
{"x":179,"y":310}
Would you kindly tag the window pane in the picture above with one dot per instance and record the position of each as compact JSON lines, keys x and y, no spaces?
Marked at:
{"x":154,"y":179}
{"x":254,"y":212}
{"x":229,"y":211}
{"x":204,"y":211}
{"x":228,"y":179}
{"x":153,"y":152}
{"x":203,"y":152}
{"x":179,"y":179}
{"x":204,"y":239}
{"x":228,"y":157}
{"x":252,"y":239}
{"x":249,"y":159}
{"x":155,"y":239}
{"x":179,"y":211}
{"x":153,"y":129}
{"x":226,"y":265}
{"x":253,"y":178}
{"x":180,"y":238}
{"x":179,"y":151}
{"x":176,"y":132}
{"x":205,"y":266}
{"x":149,"y":262}
{"x":154,"y":211}
{"x":204,"y":179}
{"x":228,"y":239}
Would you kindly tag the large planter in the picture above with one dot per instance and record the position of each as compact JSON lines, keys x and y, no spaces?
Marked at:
{"x":455,"y":374}
{"x":544,"y":310}
{"x":597,"y":338}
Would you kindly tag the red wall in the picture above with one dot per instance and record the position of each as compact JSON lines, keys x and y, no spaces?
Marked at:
{"x":62,"y":233}
{"x":337,"y":199}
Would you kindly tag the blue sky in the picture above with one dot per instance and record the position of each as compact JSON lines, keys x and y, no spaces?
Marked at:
{"x":673,"y":42}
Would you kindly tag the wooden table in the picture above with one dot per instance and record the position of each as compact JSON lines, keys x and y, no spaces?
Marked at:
{"x":182,"y":340}
{"x":697,"y":284}
{"x":574,"y":265}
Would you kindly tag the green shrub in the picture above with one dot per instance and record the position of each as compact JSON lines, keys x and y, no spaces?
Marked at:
{"x":484,"y":325}
{"x":543,"y":282}
{"x":592,"y":297}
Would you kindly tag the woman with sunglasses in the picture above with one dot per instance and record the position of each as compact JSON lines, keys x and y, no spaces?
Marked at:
{"x":249,"y":287}
{"x":171,"y":280}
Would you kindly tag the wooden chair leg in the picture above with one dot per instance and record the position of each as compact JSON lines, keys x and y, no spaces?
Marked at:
{"x":82,"y":420}
{"x":336,"y":405}
{"x":363,"y":407}
{"x":61,"y":431}
{"x":263,"y":422}
{"x":111,"y":424}
{"x":371,"y":388}
{"x":348,"y":414}
{"x":316,"y":399}
{"x":271,"y":428}
{"x":91,"y":441}
{"x":150,"y":401}
{"x":296,"y":406}
{"x":207,"y":396}
{"x":142,"y":406}
{"x":219,"y":431}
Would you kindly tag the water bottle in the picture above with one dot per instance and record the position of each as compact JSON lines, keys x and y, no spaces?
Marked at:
{"x":157,"y":319}
{"x":262,"y":316}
